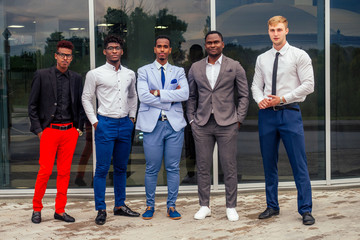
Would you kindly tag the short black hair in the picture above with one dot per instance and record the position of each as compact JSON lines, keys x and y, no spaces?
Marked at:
{"x":162,"y":36}
{"x":113,"y":39}
{"x":64,"y":44}
{"x":214,"y":32}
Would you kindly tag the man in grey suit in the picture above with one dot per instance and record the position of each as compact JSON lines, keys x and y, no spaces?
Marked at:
{"x":217,"y":105}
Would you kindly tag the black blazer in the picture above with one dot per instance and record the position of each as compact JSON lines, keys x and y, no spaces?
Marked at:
{"x":43,"y":99}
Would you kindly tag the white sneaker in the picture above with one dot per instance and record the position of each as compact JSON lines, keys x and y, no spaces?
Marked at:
{"x":231,"y":214}
{"x":203,"y":213}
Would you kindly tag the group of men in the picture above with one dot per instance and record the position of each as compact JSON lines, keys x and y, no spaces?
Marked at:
{"x":217,"y":95}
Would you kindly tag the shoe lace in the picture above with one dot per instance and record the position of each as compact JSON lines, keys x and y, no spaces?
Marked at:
{"x":148,"y":208}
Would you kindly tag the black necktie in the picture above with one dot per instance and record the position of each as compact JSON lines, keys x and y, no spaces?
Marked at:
{"x":273,"y":87}
{"x":162,"y":77}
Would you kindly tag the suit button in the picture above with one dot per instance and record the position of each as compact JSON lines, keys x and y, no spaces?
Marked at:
{"x":55,"y":104}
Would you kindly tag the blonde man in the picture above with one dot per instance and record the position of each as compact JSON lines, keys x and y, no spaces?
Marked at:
{"x":283,"y":77}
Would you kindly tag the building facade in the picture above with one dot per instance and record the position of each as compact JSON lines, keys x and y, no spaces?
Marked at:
{"x":328,"y":30}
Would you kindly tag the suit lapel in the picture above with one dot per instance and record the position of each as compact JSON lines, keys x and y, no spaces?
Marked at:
{"x":156,"y":76}
{"x":222,"y":70}
{"x":169,"y":75}
{"x":203,"y":73}
{"x":52,"y":79}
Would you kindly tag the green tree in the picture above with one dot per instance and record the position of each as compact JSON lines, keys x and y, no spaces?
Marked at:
{"x":167,"y":24}
{"x":50,"y":49}
{"x":140,"y":38}
{"x":139,"y":29}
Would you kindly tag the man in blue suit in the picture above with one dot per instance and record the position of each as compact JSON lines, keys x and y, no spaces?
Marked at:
{"x":161,"y":89}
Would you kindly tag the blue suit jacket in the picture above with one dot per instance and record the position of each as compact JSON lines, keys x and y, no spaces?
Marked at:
{"x":170,"y":98}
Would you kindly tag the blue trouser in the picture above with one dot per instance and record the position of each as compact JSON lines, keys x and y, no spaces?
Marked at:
{"x":287,"y":125}
{"x":163,"y":141}
{"x":112,"y":138}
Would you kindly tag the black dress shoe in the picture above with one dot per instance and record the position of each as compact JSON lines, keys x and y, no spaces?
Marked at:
{"x":269,"y":212}
{"x":125,"y":211}
{"x":308,"y":219}
{"x":101,"y":217}
{"x":36,"y":217}
{"x":65,"y":217}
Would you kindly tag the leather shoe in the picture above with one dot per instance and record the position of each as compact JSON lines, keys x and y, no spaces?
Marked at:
{"x":101,"y":217}
{"x":125,"y":211}
{"x":268,"y":213}
{"x":36,"y":217}
{"x":65,"y":217}
{"x":308,"y":219}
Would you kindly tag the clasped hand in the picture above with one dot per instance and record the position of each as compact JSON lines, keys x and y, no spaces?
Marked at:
{"x":271,"y":101}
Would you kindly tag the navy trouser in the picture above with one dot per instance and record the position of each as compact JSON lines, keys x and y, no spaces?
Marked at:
{"x":287,"y":125}
{"x":112,"y":138}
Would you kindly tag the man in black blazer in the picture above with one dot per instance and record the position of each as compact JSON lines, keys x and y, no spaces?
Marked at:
{"x":56,"y":116}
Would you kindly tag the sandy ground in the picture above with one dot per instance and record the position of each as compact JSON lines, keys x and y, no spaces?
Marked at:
{"x":337,"y":214}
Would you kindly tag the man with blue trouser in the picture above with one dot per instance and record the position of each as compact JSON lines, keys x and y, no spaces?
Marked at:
{"x":283,"y":77}
{"x":161,"y":89}
{"x":114,"y":87}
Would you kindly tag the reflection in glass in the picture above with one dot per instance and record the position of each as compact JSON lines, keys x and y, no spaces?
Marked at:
{"x":32,"y":30}
{"x":138,"y":23}
{"x":247,"y":39}
{"x":345,"y":92}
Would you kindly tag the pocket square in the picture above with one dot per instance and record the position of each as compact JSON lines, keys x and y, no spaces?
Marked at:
{"x":173,"y":84}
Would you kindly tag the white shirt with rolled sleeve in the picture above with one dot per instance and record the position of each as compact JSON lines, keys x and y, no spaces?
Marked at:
{"x":114,"y":90}
{"x":295,"y":75}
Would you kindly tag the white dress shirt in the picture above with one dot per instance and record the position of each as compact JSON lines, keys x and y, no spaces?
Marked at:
{"x":158,"y":66}
{"x":114,"y":90}
{"x":295,"y":75}
{"x":213,"y":70}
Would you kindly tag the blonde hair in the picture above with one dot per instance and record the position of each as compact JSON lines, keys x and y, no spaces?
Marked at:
{"x":278,"y":19}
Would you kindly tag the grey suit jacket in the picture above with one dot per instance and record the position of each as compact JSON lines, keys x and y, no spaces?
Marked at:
{"x":229,"y":99}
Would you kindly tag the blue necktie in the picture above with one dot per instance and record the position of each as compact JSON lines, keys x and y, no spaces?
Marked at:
{"x":162,"y":77}
{"x":163,"y":84}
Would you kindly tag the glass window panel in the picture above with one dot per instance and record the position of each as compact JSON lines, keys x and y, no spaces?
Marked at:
{"x":31,"y":30}
{"x":138,"y":22}
{"x":345,"y":91}
{"x":244,"y":27}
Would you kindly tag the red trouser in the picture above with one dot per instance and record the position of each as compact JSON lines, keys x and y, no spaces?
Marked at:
{"x":62,"y":142}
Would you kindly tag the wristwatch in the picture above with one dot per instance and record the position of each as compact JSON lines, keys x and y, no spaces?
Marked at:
{"x":156,"y":93}
{"x":80,"y":132}
{"x":281,"y":100}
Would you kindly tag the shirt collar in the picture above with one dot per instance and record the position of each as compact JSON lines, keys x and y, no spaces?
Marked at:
{"x":219,"y":61}
{"x":158,"y":65}
{"x":58,"y":73}
{"x":112,"y":67}
{"x":282,"y":50}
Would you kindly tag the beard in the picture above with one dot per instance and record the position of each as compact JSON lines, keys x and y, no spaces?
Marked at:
{"x":214,"y":55}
